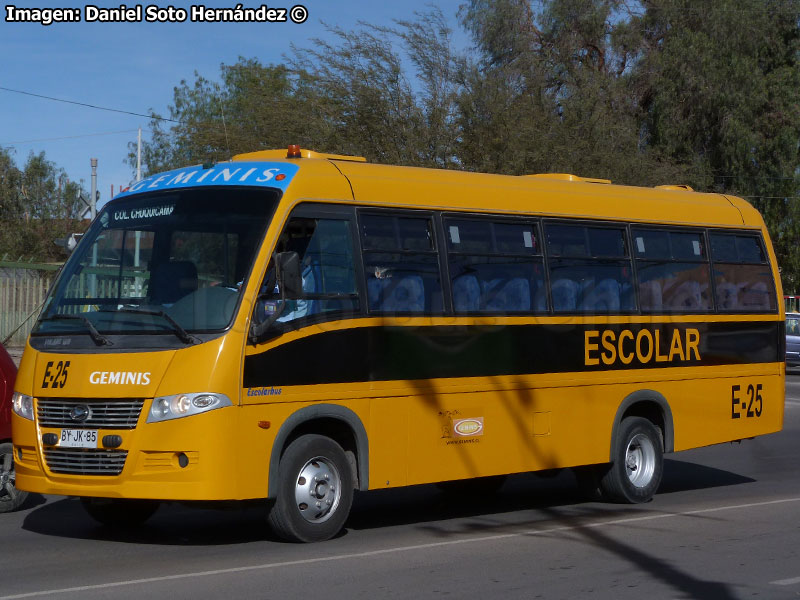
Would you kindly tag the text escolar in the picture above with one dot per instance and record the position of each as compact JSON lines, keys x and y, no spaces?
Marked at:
{"x":644,"y":346}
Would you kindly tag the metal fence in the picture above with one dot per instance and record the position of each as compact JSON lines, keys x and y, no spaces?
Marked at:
{"x":23,"y":288}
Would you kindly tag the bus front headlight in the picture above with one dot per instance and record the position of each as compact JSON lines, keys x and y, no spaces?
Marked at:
{"x":22,"y":405}
{"x":177,"y":406}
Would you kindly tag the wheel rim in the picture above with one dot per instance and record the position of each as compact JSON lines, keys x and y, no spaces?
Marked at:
{"x":318,"y":490}
{"x":8,"y":491}
{"x":640,"y":460}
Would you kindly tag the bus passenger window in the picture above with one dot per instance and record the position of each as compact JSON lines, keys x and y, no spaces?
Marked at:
{"x":742,"y":277}
{"x":325,"y":249}
{"x":495,"y":266}
{"x":673,"y":270}
{"x":401,"y":264}
{"x":590,"y":270}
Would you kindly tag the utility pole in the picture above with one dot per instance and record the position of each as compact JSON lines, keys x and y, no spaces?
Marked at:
{"x":93,"y":206}
{"x":138,"y":237}
{"x":93,"y":199}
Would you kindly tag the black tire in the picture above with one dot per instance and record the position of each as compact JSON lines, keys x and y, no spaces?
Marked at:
{"x":10,"y":497}
{"x":315,"y":490}
{"x":118,"y":512}
{"x":638,"y":463}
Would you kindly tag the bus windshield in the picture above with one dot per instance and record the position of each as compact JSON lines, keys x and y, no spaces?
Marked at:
{"x":169,"y":264}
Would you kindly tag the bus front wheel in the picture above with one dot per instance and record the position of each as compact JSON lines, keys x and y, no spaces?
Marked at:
{"x":117,"y":512}
{"x":635,"y":473}
{"x":315,"y":490}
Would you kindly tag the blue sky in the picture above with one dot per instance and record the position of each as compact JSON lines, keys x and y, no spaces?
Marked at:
{"x":134,"y":67}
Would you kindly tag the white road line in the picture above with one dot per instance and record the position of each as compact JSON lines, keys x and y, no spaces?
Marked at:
{"x":385,"y":551}
{"x":786,"y":581}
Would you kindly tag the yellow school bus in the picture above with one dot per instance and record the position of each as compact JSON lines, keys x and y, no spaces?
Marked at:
{"x":296,"y":326}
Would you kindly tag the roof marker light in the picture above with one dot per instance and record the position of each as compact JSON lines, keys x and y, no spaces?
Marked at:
{"x":294,"y":151}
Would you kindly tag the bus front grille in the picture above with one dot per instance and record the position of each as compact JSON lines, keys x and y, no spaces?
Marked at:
{"x":103,"y":414}
{"x":76,"y":461}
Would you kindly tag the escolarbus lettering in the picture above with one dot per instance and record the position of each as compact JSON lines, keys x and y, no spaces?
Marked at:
{"x":609,"y":347}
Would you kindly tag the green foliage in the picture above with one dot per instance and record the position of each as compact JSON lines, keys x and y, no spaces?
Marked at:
{"x":721,"y":98}
{"x":37,"y":206}
{"x":640,"y":92}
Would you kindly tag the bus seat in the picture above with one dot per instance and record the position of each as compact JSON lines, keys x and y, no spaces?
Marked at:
{"x":375,"y":293}
{"x":756,"y":297}
{"x":540,"y":299}
{"x":687,"y":295}
{"x":171,"y":281}
{"x":404,"y":294}
{"x":650,"y":295}
{"x":513,"y":296}
{"x":466,"y":293}
{"x":565,"y":294}
{"x":727,"y":296}
{"x":602,"y":298}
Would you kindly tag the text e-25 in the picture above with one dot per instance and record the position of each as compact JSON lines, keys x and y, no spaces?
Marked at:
{"x":751,"y":405}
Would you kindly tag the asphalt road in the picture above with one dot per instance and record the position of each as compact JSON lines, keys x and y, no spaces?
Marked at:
{"x":725,"y":525}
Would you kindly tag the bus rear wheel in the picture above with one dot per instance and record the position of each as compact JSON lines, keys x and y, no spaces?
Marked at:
{"x":635,"y":473}
{"x":315,"y":490}
{"x":118,"y":512}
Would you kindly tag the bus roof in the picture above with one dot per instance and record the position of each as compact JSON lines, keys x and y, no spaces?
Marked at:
{"x":551,"y":194}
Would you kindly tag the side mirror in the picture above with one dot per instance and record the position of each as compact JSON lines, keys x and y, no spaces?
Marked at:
{"x":290,"y":280}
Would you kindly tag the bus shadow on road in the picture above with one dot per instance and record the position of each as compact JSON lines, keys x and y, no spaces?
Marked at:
{"x":529,"y":491}
{"x":173,"y":524}
{"x":680,"y":476}
{"x":422,"y":505}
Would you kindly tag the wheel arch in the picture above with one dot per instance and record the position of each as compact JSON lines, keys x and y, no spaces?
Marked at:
{"x":332,"y":420}
{"x":650,"y":405}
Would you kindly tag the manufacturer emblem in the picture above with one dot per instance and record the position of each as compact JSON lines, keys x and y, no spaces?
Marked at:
{"x":468,"y":427}
{"x":80,"y":413}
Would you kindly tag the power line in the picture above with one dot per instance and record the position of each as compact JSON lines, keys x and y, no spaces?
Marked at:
{"x":116,"y":110}
{"x":67,"y":137}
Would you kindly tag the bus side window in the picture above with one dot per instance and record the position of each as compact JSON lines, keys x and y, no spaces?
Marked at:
{"x":742,"y":276}
{"x":590,"y":269}
{"x":325,"y":249}
{"x":673,"y":270}
{"x":401,"y":264}
{"x":495,"y":266}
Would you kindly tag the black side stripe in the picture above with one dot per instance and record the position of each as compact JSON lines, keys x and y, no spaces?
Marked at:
{"x":410,"y":353}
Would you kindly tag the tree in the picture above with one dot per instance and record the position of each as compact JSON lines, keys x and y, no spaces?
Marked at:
{"x":38,"y":205}
{"x":253,"y":107}
{"x":10,"y":187}
{"x":721,"y":84}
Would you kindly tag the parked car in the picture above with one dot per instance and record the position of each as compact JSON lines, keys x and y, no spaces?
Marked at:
{"x":10,"y":497}
{"x":792,"y":340}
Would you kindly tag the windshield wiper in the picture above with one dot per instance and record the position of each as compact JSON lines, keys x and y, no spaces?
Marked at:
{"x":183,"y":335}
{"x":96,"y":336}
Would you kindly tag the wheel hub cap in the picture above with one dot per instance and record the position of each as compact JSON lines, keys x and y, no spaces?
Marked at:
{"x":318,"y":490}
{"x":640,"y":460}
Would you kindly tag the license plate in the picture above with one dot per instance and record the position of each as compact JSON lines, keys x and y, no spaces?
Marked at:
{"x":78,"y":438}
